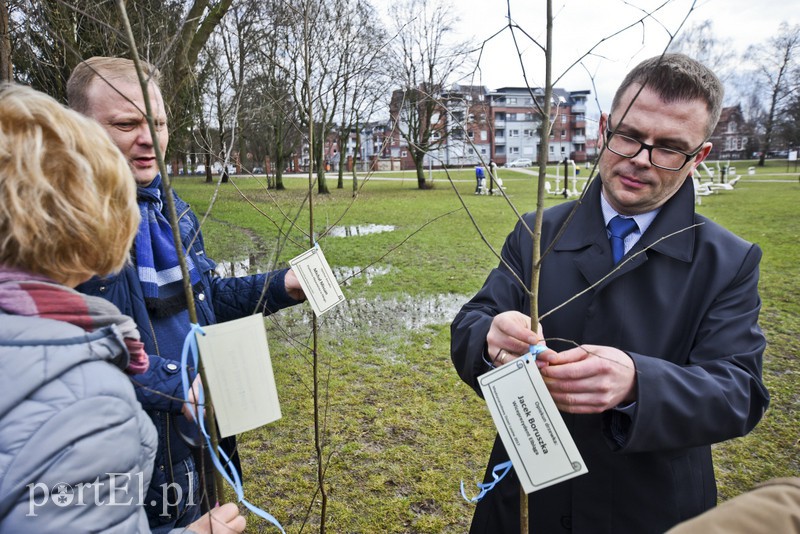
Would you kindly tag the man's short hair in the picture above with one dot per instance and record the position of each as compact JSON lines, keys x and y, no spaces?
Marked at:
{"x":69,"y":203}
{"x":110,"y":69}
{"x":674,"y":78}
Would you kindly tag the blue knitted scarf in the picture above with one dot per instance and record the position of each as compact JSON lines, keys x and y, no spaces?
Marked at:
{"x":157,"y":262}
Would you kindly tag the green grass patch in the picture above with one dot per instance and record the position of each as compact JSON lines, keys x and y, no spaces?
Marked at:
{"x":400,"y":428}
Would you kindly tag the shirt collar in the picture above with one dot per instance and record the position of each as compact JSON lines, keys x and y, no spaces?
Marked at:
{"x":643,"y":220}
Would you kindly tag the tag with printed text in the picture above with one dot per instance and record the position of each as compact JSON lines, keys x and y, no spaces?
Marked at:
{"x":534,"y":434}
{"x":238,"y":369}
{"x":317,"y":280}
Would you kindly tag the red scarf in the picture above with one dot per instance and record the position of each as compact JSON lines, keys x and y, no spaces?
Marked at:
{"x":32,"y":295}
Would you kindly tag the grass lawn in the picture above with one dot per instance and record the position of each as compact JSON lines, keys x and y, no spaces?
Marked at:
{"x":401,"y":430}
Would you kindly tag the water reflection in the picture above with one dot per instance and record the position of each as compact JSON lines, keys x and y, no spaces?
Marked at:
{"x":346,"y":275}
{"x":242,"y":267}
{"x":384,"y":314}
{"x":361,"y":229}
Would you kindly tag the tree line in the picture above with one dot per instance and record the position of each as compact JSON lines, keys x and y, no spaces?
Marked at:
{"x":764,"y":80}
{"x":265,"y":79}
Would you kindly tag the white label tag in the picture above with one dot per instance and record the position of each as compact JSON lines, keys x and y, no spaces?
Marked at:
{"x":238,"y":368}
{"x":530,"y":426}
{"x":317,"y":280}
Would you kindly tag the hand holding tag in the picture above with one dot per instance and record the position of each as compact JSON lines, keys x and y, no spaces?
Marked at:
{"x":317,"y":280}
{"x":534,"y":434}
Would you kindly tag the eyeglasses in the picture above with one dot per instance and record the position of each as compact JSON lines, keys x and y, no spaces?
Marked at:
{"x":663,"y":158}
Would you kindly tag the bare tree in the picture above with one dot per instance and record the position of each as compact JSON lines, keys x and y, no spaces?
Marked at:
{"x":50,"y":37}
{"x":364,"y":84}
{"x":776,"y":61}
{"x":6,"y":72}
{"x":700,"y":42}
{"x":424,"y":63}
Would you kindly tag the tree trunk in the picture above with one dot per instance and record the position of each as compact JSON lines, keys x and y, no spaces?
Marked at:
{"x":6,"y":72}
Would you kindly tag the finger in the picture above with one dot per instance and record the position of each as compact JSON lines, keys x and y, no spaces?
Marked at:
{"x":238,"y":524}
{"x":225,"y":513}
{"x":568,"y":356}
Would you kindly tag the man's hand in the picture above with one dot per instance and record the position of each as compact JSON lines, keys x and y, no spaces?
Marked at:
{"x":222,"y":520}
{"x":189,"y":409}
{"x":589,"y":378}
{"x":510,"y":336}
{"x":292,"y":285}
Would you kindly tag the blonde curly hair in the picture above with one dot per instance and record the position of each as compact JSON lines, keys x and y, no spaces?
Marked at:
{"x":68,"y":205}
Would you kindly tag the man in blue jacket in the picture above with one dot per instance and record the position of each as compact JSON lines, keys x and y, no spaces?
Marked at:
{"x":656,"y":352}
{"x":150,"y":290}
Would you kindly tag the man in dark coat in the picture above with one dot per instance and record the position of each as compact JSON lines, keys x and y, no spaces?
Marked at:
{"x":654,"y":358}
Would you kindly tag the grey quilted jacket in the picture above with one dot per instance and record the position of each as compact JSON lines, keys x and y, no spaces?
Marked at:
{"x":76,"y":449}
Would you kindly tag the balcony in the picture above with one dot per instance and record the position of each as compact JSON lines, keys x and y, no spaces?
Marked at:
{"x":499,"y":123}
{"x":499,"y":140}
{"x":578,"y":107}
{"x":578,"y":138}
{"x":579,"y":156}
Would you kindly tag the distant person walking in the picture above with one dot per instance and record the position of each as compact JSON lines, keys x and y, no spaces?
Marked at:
{"x":493,"y":176}
{"x":480,"y":178}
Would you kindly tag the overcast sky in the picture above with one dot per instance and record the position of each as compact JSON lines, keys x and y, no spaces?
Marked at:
{"x":580,"y":25}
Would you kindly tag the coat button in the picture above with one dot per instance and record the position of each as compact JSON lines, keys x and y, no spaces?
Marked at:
{"x":566,"y":522}
{"x":172,"y":367}
{"x":201,"y":296}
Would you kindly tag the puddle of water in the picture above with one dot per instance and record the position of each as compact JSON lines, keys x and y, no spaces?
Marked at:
{"x":384,"y":314}
{"x":362,"y":229}
{"x":242,"y":267}
{"x":346,"y":275}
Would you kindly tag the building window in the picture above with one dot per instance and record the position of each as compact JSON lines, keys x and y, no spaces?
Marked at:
{"x":403,"y":154}
{"x":484,"y":135}
{"x":512,"y":100}
{"x":513,"y":133}
{"x":563,"y":118}
{"x":513,"y":150}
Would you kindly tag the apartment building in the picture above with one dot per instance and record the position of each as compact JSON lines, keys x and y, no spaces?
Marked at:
{"x":516,"y":123}
{"x":470,"y":125}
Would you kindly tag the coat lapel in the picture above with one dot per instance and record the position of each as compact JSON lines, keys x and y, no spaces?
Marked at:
{"x":586,"y":235}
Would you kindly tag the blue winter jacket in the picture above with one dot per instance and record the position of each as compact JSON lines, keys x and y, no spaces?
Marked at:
{"x":219,"y":300}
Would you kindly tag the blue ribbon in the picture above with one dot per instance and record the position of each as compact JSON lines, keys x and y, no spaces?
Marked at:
{"x":190,"y":346}
{"x":535,"y":350}
{"x":505,"y":467}
{"x":486,"y":487}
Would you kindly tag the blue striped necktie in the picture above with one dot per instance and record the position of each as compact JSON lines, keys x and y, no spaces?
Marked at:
{"x":620,"y":228}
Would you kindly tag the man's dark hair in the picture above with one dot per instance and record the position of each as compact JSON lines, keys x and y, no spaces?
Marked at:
{"x":674,"y":78}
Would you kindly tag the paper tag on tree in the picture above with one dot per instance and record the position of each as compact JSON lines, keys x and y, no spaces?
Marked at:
{"x":537,"y":441}
{"x":238,"y":370}
{"x":317,"y":280}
